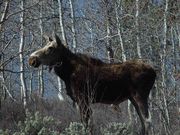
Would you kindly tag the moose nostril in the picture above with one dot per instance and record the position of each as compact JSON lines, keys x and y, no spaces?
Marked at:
{"x":33,"y":61}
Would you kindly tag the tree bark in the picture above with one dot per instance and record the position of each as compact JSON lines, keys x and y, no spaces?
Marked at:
{"x":41,"y":72}
{"x":61,"y":23}
{"x":163,"y":69}
{"x":4,"y":14}
{"x":109,"y":49}
{"x":73,"y":26}
{"x":137,"y":30}
{"x":21,"y":56}
{"x":118,"y":23}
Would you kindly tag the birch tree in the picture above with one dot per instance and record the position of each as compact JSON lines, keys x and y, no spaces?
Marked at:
{"x":137,"y":29}
{"x":61,"y":23}
{"x":2,"y":19}
{"x":60,"y":83}
{"x":110,"y":52}
{"x":21,"y":57}
{"x":40,"y":72}
{"x":4,"y":13}
{"x":163,"y":68}
{"x":73,"y":26}
{"x":118,"y":23}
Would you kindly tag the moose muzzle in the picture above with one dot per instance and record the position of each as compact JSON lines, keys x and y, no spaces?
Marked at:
{"x":33,"y":61}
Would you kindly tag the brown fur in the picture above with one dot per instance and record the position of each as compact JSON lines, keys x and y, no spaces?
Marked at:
{"x":89,"y":80}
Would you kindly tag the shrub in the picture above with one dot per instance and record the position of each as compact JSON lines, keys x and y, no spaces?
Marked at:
{"x":36,"y":124}
{"x":6,"y":132}
{"x":75,"y":128}
{"x":116,"y":129}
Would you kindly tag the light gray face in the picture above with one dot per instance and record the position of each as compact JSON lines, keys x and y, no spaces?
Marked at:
{"x":48,"y":55}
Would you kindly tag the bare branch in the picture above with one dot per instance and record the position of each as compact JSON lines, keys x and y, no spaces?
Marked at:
{"x":4,"y":13}
{"x":4,"y":85}
{"x":18,"y":12}
{"x":103,"y":38}
{"x":7,"y":70}
{"x":8,"y":43}
{"x":10,"y":59}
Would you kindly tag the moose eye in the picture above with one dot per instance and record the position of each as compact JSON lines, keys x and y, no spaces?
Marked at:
{"x":50,"y":48}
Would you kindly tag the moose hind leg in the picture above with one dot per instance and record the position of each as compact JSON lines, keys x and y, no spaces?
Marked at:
{"x":137,"y":107}
{"x":141,"y":106}
{"x":146,"y":114}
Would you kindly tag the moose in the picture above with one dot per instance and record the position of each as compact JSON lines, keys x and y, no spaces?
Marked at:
{"x":89,"y":80}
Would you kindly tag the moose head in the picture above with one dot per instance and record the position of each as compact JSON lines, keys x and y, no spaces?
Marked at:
{"x":49,"y":55}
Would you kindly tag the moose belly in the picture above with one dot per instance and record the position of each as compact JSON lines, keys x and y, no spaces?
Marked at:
{"x":111,"y":92}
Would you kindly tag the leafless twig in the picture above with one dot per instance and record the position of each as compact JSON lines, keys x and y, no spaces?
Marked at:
{"x":3,"y":84}
{"x":11,"y":71}
{"x":8,"y":43}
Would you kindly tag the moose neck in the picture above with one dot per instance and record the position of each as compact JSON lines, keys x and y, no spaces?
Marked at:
{"x":65,"y":70}
{"x":67,"y":55}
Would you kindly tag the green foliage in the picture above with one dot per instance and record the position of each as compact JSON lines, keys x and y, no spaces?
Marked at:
{"x":116,"y":129}
{"x":75,"y":128}
{"x":6,"y":132}
{"x":36,"y":124}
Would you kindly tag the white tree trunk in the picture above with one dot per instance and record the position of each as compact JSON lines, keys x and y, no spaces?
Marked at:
{"x":61,"y":22}
{"x":21,"y":56}
{"x":119,"y":31}
{"x":41,"y":80}
{"x":30,"y":85}
{"x":4,"y":13}
{"x":3,"y":16}
{"x":110,"y":59}
{"x":60,"y":87}
{"x":110,"y":52}
{"x":73,"y":25}
{"x":31,"y":75}
{"x":137,"y":29}
{"x":163,"y":70}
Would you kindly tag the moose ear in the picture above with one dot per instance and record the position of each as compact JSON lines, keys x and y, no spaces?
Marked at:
{"x":47,"y":38}
{"x":57,"y":39}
